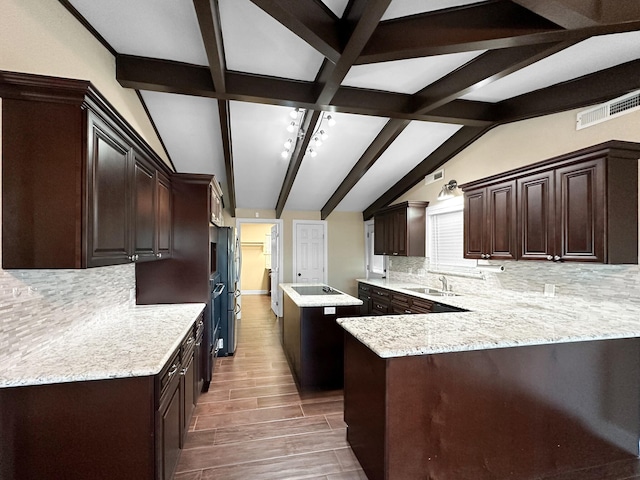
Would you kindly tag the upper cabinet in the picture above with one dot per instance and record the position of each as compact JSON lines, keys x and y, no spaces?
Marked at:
{"x":401,"y":230}
{"x":215,"y":206}
{"x":80,"y":188}
{"x":490,"y":225}
{"x":577,"y":207}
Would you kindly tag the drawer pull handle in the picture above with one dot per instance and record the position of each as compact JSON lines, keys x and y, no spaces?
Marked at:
{"x":172,"y":372}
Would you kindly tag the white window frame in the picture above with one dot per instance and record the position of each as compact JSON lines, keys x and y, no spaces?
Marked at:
{"x":455,"y":204}
{"x":368,"y":253}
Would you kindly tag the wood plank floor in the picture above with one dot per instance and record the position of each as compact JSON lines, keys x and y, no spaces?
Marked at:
{"x":253,"y":424}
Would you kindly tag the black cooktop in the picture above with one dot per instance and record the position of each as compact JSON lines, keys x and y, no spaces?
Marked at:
{"x":316,"y":290}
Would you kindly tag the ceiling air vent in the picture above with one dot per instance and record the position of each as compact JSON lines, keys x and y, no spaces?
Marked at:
{"x":614,"y":108}
{"x":434,"y":177}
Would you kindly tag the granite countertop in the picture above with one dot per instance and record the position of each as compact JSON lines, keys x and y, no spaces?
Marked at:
{"x":318,"y":300}
{"x":500,"y":320}
{"x":116,"y":343}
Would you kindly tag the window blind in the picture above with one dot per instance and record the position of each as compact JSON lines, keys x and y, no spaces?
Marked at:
{"x":446,"y":242}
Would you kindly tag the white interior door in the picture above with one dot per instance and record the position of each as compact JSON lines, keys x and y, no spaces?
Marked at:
{"x":309,"y":266}
{"x":276,"y":294}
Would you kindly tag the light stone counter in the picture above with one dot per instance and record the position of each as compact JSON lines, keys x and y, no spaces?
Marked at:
{"x":318,"y":300}
{"x":506,"y":319}
{"x":117,"y":343}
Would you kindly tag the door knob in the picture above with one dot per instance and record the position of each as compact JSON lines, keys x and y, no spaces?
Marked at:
{"x":299,"y":274}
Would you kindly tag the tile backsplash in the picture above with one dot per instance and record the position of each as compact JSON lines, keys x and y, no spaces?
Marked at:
{"x":35,"y":305}
{"x":590,"y":280}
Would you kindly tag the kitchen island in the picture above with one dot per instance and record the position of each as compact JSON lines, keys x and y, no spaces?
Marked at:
{"x":111,"y":397}
{"x":311,"y":338}
{"x":520,"y":387}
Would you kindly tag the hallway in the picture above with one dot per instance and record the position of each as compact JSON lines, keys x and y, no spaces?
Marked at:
{"x":253,"y":424}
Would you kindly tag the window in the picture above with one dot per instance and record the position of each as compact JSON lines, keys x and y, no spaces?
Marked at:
{"x":375,"y":264}
{"x":445,"y":234}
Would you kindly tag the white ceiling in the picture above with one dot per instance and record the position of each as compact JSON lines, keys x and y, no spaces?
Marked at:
{"x":255,"y":43}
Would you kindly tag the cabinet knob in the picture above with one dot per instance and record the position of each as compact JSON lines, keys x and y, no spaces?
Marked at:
{"x":549,"y":257}
{"x":131,"y":258}
{"x":159,"y":255}
{"x":557,"y":258}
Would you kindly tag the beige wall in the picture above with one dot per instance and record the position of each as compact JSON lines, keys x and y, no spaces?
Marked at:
{"x":42,"y":37}
{"x":345,"y":244}
{"x":522,"y":143}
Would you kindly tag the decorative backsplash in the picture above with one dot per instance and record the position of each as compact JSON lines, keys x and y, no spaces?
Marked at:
{"x":589,"y":280}
{"x":35,"y":305}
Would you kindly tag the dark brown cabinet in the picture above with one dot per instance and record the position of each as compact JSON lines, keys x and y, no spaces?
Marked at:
{"x":402,"y":304}
{"x":582,"y":206}
{"x":101,"y":429}
{"x":400,"y":230}
{"x":490,"y":222}
{"x":77,"y":180}
{"x":364,"y":294}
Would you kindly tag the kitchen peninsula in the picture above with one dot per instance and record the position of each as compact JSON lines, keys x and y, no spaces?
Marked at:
{"x":520,"y":387}
{"x":310,"y":336}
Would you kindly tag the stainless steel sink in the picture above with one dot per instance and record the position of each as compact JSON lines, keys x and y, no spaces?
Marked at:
{"x":431,"y":291}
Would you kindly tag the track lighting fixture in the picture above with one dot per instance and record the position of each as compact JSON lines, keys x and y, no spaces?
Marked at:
{"x":331,"y":121}
{"x":288,"y":144}
{"x":285,"y":153}
{"x":318,"y":137}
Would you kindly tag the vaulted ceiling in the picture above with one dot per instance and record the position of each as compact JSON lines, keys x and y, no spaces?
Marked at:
{"x":409,"y":84}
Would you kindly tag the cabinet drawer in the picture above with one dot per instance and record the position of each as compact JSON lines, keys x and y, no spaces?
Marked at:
{"x":378,"y":308}
{"x":421,"y":305}
{"x":363,"y":288}
{"x":400,"y":300}
{"x":169,"y":373}
{"x":383,"y":295}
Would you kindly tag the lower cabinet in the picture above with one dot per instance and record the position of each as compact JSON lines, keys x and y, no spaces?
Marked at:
{"x":389,"y":302}
{"x":100,"y":429}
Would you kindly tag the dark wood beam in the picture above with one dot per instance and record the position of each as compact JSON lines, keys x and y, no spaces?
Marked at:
{"x":581,"y":92}
{"x":174,"y":77}
{"x":383,"y":140}
{"x":310,"y":20}
{"x":482,"y":70}
{"x":454,"y":145}
{"x":209,"y":23}
{"x":225,"y":132}
{"x":359,"y":23}
{"x":572,"y":14}
{"x":308,"y":122}
{"x":486,"y":26}
{"x":559,"y":13}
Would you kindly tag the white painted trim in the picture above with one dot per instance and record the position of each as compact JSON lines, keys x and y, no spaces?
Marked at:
{"x":280,"y":223}
{"x":325,"y":267}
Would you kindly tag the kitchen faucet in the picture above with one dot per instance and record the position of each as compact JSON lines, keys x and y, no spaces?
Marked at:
{"x":443,"y":279}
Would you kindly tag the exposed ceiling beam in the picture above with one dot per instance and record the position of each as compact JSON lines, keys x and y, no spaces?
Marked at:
{"x":359,"y":23}
{"x":310,"y":20}
{"x":482,"y":70}
{"x":174,"y":77}
{"x":209,"y":22}
{"x":309,"y":120}
{"x":383,"y":140}
{"x":225,"y":131}
{"x":559,"y":13}
{"x":454,"y":145}
{"x":573,"y":14}
{"x":485,"y":26}
{"x":581,"y":92}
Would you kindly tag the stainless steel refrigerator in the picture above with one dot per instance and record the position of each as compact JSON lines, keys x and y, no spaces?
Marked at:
{"x":227,"y":266}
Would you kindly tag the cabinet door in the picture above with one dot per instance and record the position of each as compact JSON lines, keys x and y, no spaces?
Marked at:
{"x":398,"y":232}
{"x":580,"y":210}
{"x":170,"y":434}
{"x":500,"y":237}
{"x":188,"y":399}
{"x":144,"y":211}
{"x":379,"y":234}
{"x":163,"y":192}
{"x":536,"y":216}
{"x":108,"y":176}
{"x":474,"y":223}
